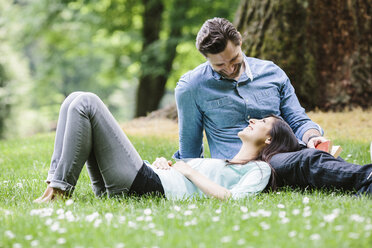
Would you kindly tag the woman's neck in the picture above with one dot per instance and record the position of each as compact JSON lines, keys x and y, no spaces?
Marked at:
{"x":247,"y":152}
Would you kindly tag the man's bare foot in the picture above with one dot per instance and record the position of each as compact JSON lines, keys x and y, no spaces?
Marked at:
{"x":50,"y":194}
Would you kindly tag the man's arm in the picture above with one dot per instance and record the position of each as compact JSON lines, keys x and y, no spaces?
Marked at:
{"x":292,"y":112}
{"x":312,"y":138}
{"x":190,"y":123}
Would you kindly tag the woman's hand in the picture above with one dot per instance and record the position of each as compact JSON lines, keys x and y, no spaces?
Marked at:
{"x":183,"y":168}
{"x":162,"y":163}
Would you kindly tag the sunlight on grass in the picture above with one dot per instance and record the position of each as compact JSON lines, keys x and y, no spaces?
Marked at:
{"x":288,"y":218}
{"x":348,"y":125}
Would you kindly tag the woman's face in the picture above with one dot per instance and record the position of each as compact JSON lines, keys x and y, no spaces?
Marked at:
{"x":258,"y":131}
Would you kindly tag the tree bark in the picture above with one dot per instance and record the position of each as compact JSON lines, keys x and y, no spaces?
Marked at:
{"x":4,"y":101}
{"x":324,"y":46}
{"x":157,"y":57}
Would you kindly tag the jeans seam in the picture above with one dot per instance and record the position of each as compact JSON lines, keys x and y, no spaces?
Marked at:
{"x":77,"y":151}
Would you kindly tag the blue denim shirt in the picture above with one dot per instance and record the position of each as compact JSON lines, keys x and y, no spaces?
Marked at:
{"x":207,"y":101}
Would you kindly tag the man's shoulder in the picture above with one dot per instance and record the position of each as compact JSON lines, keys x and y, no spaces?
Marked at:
{"x":259,"y":63}
{"x":264,"y":67}
{"x":194,"y":76}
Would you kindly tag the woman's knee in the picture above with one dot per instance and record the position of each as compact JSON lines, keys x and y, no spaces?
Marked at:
{"x":85,"y":101}
{"x":69,"y":99}
{"x":73,"y":95}
{"x":90,"y":96}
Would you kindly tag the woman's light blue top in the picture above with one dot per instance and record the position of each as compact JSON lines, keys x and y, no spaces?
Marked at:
{"x":242,"y":180}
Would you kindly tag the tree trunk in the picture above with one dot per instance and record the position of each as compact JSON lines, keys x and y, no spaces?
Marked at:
{"x":157,"y":57}
{"x":4,"y":101}
{"x":324,"y":46}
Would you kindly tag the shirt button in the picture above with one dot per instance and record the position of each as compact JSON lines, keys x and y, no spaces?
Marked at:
{"x":246,"y":100}
{"x":248,"y":117}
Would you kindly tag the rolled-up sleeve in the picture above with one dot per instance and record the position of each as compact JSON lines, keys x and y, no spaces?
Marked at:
{"x":190,"y":122}
{"x":293,"y":113}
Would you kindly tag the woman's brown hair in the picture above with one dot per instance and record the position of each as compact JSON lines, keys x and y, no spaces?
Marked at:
{"x":282,"y":140}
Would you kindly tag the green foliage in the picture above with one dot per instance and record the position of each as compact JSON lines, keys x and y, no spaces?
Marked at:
{"x":14,"y":74}
{"x":288,"y":218}
{"x":70,"y":45}
{"x":187,"y":56}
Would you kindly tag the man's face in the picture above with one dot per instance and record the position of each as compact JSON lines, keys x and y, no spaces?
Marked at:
{"x":227,"y":63}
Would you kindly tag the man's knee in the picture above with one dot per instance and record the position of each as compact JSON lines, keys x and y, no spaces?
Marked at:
{"x":291,"y":157}
{"x":293,"y":161}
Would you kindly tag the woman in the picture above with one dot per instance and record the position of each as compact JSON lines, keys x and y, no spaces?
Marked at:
{"x":87,"y":132}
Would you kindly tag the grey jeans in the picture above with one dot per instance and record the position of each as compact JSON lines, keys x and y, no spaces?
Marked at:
{"x":88,"y":133}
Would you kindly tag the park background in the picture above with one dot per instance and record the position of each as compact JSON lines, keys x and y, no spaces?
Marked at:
{"x":122,"y":49}
{"x":132,"y":53}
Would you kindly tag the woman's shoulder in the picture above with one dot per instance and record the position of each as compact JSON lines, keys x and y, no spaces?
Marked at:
{"x":259,"y":164}
{"x":214,"y":161}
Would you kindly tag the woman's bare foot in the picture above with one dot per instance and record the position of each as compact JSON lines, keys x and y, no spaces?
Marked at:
{"x":50,"y":194}
{"x":46,"y":193}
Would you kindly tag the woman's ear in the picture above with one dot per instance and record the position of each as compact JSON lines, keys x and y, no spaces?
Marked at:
{"x":268,"y":141}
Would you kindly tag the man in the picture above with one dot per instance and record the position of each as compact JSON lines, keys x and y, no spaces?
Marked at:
{"x":221,"y":95}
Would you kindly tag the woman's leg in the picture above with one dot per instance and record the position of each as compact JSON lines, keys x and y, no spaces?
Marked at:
{"x":58,"y":143}
{"x":98,"y":185}
{"x":96,"y":177}
{"x":91,"y":129}
{"x":60,"y":133}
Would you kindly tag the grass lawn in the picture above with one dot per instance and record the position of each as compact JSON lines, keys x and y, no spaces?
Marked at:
{"x":288,"y":218}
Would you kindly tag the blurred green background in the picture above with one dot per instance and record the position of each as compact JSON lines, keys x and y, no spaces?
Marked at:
{"x":49,"y":49}
{"x":132,"y":53}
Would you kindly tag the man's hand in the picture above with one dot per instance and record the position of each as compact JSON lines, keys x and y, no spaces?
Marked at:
{"x":162,"y":163}
{"x":313,"y":142}
{"x":183,"y":168}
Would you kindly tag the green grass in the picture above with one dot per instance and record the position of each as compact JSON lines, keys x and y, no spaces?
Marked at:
{"x":282,"y":219}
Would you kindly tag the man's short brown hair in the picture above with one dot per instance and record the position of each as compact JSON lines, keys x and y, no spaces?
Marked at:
{"x":214,"y":34}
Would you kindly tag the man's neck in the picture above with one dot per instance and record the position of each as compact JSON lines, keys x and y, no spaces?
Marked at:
{"x":242,"y":69}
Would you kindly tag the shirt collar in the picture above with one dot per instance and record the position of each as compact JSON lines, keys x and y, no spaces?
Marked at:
{"x":248,"y":68}
{"x":248,"y":71}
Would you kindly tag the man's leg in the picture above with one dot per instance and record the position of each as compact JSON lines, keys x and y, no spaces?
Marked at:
{"x":314,"y":168}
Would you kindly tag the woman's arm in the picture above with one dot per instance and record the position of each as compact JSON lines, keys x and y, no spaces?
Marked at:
{"x":209,"y":187}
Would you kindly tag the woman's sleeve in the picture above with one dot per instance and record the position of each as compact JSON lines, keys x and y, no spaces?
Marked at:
{"x":253,"y":182}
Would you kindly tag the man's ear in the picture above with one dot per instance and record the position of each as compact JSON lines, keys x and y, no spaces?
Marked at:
{"x":268,"y":141}
{"x":241,"y":39}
